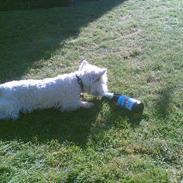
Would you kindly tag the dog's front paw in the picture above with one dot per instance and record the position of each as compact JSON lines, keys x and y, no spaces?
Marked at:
{"x":87,"y":105}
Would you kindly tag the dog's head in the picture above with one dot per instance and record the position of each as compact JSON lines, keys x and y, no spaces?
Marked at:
{"x":94,"y":79}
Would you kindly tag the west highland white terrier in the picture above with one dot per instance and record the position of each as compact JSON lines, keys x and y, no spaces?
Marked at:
{"x":62,"y":92}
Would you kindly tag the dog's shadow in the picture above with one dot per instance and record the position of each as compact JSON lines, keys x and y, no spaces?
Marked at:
{"x":75,"y":127}
{"x":51,"y":124}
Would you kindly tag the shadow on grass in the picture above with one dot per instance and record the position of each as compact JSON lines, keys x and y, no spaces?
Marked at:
{"x":163,"y":104}
{"x":30,"y":36}
{"x":120,"y":113}
{"x":75,"y":127}
{"x":51,"y":124}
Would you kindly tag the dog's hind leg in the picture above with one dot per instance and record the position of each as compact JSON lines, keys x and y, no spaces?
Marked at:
{"x":8,"y":109}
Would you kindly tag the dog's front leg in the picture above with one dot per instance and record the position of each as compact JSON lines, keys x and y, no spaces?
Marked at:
{"x":86,"y":105}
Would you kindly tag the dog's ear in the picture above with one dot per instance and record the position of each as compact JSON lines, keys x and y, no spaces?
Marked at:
{"x":100,"y":74}
{"x":82,"y":64}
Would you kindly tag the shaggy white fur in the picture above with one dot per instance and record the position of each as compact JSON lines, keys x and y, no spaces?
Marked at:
{"x":61,"y":92}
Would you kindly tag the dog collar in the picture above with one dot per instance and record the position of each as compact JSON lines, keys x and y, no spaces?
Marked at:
{"x":80,"y":82}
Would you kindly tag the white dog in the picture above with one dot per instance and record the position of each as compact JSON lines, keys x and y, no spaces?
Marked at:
{"x":62,"y":92}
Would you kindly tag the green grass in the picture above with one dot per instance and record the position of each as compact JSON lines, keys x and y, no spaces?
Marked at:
{"x":141,"y":43}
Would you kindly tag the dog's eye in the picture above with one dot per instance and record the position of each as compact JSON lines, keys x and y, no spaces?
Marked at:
{"x":97,"y":80}
{"x":93,"y":78}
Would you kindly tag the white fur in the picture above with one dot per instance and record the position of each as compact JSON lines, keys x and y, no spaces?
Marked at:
{"x":61,"y":92}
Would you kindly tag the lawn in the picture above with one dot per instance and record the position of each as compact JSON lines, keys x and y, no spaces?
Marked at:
{"x":141,"y":44}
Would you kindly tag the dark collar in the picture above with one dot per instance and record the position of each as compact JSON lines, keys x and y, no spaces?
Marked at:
{"x":80,"y":82}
